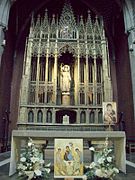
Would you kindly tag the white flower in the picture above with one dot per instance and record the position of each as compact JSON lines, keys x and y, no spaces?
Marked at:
{"x":28,"y":164}
{"x":99,"y":173}
{"x":110,"y":150}
{"x":47,"y":170}
{"x":101,"y":160}
{"x":48,"y":165}
{"x":19,"y":166}
{"x":92,"y":149}
{"x":38,"y":172}
{"x":20,"y":173}
{"x":84,"y":177}
{"x":92,"y":165}
{"x":23,"y":159}
{"x":109,"y":159}
{"x":29,"y":144}
{"x":115,"y":170}
{"x":42,"y":161}
{"x":22,"y":167}
{"x":34,"y":159}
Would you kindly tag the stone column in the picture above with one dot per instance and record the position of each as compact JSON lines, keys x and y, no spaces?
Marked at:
{"x":53,"y":116}
{"x":35,"y":115}
{"x":37,"y":80}
{"x":129,"y":18}
{"x":87,"y":75}
{"x":2,"y":41}
{"x":78,"y":69}
{"x":38,"y":71}
{"x":24,"y":93}
{"x":44,"y":115}
{"x":78,"y":116}
{"x":55,"y":74}
{"x":46,"y":75}
{"x":95,"y":74}
{"x":87,"y":116}
{"x":4,"y":15}
{"x":106,"y":70}
{"x":96,"y":116}
{"x":76,"y":84}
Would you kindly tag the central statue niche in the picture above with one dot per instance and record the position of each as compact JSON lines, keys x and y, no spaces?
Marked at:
{"x":66,"y":78}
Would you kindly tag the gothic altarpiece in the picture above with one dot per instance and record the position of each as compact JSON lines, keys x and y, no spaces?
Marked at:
{"x":66,"y":77}
{"x":66,"y":70}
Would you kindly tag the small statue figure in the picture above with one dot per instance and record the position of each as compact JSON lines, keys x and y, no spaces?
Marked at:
{"x":65,"y":78}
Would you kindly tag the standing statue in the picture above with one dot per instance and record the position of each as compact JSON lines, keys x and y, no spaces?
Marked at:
{"x":65,"y":78}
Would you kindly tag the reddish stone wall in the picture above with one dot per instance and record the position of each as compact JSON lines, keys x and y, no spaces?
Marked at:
{"x":123,"y":74}
{"x":10,"y":77}
{"x":16,"y":81}
{"x":5,"y":81}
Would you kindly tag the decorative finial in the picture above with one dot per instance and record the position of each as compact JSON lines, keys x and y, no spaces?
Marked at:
{"x":96,"y":17}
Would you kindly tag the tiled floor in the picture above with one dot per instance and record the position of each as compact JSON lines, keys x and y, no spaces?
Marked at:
{"x":121,"y":176}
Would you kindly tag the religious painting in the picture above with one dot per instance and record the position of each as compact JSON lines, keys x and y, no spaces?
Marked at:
{"x":68,"y":158}
{"x":109,"y":112}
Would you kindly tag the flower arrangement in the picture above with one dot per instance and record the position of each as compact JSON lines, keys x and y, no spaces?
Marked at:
{"x":31,"y":164}
{"x":104,"y":167}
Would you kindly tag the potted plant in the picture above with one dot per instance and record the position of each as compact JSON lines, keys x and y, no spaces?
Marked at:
{"x":104,"y":166}
{"x":31,"y":164}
